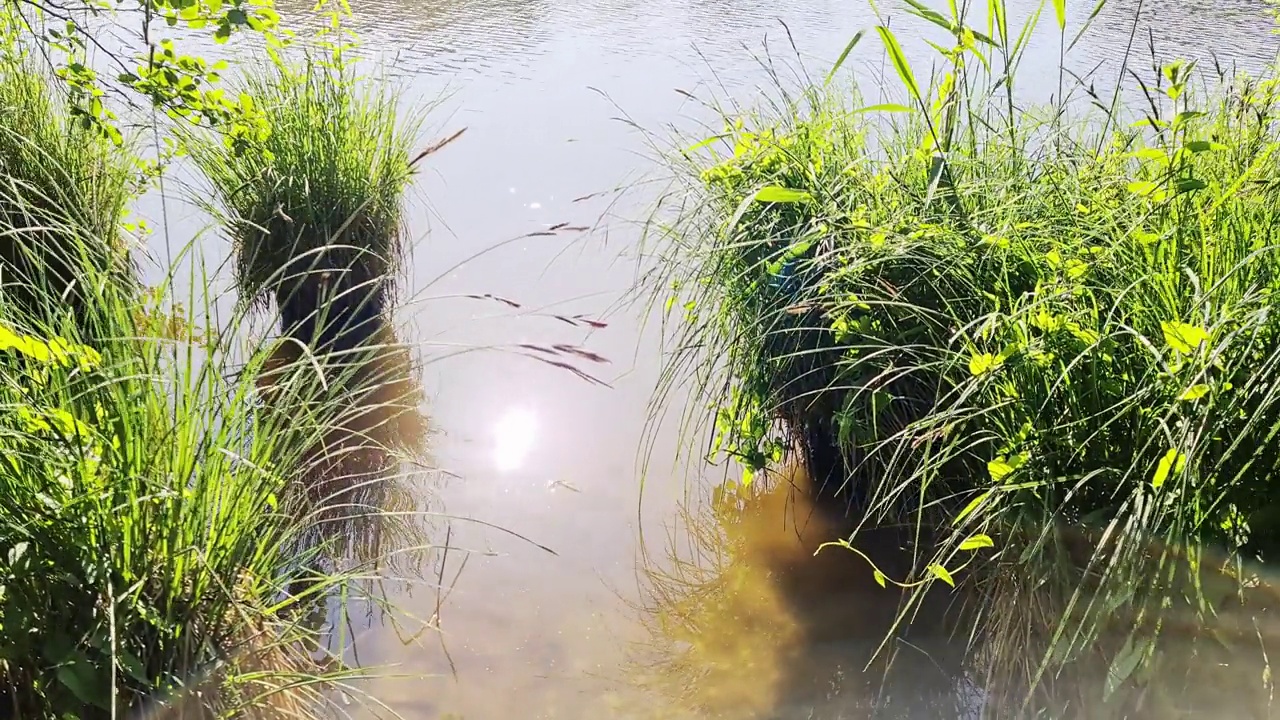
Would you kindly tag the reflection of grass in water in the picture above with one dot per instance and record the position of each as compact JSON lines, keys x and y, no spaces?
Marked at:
{"x":360,"y":480}
{"x":746,"y":621}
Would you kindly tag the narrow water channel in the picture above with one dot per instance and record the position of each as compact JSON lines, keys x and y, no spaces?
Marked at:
{"x":595,"y":585}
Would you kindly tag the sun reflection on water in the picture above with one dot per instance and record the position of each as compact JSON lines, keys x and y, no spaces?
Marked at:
{"x":514,"y":434}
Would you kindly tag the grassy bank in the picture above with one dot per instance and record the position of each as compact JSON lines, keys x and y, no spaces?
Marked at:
{"x":164,"y":544}
{"x":1047,"y":344}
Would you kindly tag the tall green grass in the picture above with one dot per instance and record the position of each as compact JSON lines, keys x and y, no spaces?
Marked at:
{"x":58,"y":175}
{"x":161,"y":550}
{"x":1047,"y":344}
{"x":315,"y":208}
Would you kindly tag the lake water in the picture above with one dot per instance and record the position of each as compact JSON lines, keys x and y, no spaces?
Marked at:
{"x":605,"y":619}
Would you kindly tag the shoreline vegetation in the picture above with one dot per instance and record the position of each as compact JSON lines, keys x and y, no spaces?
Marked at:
{"x":177,"y":515}
{"x":1025,"y":362}
{"x":1041,"y":344}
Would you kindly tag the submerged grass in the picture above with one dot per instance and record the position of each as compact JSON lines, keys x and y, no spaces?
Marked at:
{"x":1047,"y":345}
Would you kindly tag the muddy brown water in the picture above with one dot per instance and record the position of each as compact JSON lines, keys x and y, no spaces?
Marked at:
{"x":598,"y":586}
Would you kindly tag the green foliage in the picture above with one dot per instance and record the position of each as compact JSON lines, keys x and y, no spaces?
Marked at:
{"x":159,"y":543}
{"x":184,"y":86}
{"x":64,"y":194}
{"x":1009,"y":326}
{"x":316,"y":205}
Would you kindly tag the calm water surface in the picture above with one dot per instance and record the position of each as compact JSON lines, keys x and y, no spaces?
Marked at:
{"x":736,"y":621}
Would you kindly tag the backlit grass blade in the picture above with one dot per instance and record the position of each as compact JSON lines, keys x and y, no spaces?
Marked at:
{"x":857,"y":37}
{"x":899,"y":60}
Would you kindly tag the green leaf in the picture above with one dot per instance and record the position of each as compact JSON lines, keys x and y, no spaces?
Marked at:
{"x":1199,"y":146}
{"x":1123,"y":665}
{"x":882,"y":107}
{"x":78,"y":676}
{"x":1172,"y":462}
{"x":984,"y":363}
{"x":975,"y":503}
{"x":899,"y":60}
{"x":973,"y":542}
{"x":16,"y":552}
{"x":1143,"y":187}
{"x":921,"y":11}
{"x":778,"y":194}
{"x":879,"y":576}
{"x":1189,"y":184}
{"x":1195,"y":392}
{"x":941,"y":573}
{"x":999,"y":469}
{"x":1060,"y":12}
{"x":1183,"y":337}
{"x":857,"y":37}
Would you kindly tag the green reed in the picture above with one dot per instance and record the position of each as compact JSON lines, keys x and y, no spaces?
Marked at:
{"x":57,"y":174}
{"x":315,"y":207}
{"x":1045,"y":343}
{"x":159,"y":549}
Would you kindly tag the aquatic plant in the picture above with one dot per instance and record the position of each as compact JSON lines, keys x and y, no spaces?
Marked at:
{"x":314,"y":207}
{"x":156,"y":550}
{"x":1047,"y":343}
{"x":65,"y":191}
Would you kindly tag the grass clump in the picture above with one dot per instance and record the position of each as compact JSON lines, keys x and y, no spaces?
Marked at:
{"x":65,"y":192}
{"x":148,"y":535}
{"x":158,"y":551}
{"x":1046,"y":346}
{"x":315,"y":207}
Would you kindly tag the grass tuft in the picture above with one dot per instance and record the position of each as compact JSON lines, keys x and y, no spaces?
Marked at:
{"x":315,"y":207}
{"x":1046,"y":343}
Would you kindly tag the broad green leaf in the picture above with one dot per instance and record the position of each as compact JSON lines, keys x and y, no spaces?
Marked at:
{"x":1172,"y":462}
{"x":1143,"y":187}
{"x":975,"y":503}
{"x":78,"y":676}
{"x":1189,"y":184}
{"x":1183,"y":337}
{"x":1060,"y":12}
{"x":1123,"y":665}
{"x":1195,"y":392}
{"x":899,"y":60}
{"x":973,"y":542}
{"x":1001,"y":467}
{"x":857,"y":37}
{"x":777,"y":194}
{"x":16,"y":552}
{"x":1199,"y":146}
{"x":879,"y":576}
{"x":941,"y":573}
{"x":984,"y":363}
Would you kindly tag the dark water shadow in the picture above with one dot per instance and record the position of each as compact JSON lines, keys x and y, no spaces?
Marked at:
{"x":747,"y":622}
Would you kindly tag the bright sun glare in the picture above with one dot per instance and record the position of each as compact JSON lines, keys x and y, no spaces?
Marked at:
{"x":513,"y":438}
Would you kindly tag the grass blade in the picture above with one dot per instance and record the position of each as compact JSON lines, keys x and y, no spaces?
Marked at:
{"x":900,"y":63}
{"x":857,"y":37}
